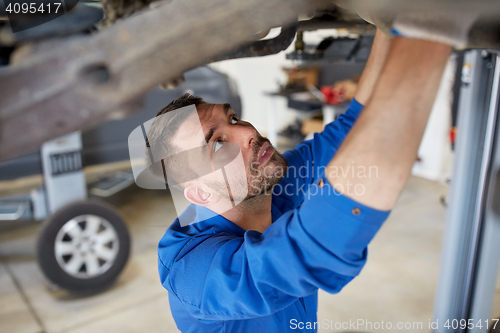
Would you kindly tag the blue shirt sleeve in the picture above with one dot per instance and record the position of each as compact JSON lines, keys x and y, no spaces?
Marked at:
{"x":308,"y":160}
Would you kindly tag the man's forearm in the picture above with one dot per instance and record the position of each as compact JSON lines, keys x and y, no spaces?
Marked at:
{"x":373,"y":67}
{"x":387,"y":135}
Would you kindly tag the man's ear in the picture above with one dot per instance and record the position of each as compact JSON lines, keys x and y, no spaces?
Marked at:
{"x":200,"y":197}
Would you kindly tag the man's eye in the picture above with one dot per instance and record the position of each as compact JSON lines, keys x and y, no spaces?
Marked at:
{"x":234,"y":120}
{"x":218,"y":145}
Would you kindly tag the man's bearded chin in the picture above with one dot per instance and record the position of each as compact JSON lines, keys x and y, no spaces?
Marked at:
{"x":262,"y":179}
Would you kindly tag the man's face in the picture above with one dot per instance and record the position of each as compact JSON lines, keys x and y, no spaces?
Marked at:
{"x":264,"y":167}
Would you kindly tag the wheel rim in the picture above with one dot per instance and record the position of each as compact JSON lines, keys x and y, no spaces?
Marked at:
{"x":86,"y":246}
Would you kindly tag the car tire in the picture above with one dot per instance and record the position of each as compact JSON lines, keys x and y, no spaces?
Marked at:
{"x":83,"y":247}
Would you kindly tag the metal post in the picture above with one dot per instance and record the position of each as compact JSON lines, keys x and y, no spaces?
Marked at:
{"x":486,"y":270}
{"x":468,"y":194}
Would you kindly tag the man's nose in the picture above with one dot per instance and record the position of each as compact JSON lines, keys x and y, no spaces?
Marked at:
{"x":247,"y":135}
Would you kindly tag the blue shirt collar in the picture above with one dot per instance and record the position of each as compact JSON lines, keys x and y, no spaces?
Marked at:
{"x":205,"y":219}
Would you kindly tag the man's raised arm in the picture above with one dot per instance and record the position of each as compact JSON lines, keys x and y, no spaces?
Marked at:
{"x":373,"y":67}
{"x":388,"y":132}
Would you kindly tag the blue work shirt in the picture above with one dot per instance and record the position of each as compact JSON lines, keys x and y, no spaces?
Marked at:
{"x":221,"y":278}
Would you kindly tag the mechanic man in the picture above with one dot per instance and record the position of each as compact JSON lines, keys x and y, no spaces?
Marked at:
{"x":257,"y":266}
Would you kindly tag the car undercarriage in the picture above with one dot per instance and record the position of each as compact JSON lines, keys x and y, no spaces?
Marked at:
{"x":73,"y":72}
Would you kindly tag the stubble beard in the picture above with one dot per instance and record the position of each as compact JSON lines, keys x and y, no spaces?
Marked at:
{"x":263,"y":178}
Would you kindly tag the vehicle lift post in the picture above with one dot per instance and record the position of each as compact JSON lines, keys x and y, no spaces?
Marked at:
{"x":471,"y":246}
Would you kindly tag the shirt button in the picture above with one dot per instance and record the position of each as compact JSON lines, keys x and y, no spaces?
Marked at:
{"x":356,"y":211}
{"x":321,"y":183}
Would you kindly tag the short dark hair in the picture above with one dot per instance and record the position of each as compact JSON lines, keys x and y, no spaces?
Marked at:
{"x":160,"y":135}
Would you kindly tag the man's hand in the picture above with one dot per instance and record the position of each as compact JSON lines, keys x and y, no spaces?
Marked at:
{"x":387,"y":135}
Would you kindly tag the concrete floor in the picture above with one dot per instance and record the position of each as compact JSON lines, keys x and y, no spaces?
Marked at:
{"x":396,"y":285}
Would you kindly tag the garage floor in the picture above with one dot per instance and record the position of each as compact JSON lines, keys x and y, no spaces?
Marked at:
{"x":396,"y":285}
